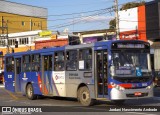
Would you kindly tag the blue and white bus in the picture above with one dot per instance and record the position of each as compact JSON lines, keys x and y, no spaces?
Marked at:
{"x":109,"y":70}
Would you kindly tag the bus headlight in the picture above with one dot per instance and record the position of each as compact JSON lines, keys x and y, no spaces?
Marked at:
{"x":149,"y":87}
{"x":117,"y":86}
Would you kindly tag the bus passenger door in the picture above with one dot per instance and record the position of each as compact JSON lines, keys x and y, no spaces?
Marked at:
{"x":17,"y":69}
{"x":47,"y":75}
{"x":101,"y":73}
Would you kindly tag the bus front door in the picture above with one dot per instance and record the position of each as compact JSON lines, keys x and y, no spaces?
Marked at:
{"x":17,"y":69}
{"x":101,"y":73}
{"x":47,"y":75}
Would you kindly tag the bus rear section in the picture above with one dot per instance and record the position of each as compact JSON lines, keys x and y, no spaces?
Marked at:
{"x":130,"y":75}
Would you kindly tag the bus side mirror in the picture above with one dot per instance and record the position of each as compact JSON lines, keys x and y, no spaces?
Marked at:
{"x":112,"y":70}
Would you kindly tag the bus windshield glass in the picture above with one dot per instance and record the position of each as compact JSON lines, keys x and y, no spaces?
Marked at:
{"x":126,"y":63}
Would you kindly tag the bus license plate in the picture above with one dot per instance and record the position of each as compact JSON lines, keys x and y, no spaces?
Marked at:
{"x":137,"y":93}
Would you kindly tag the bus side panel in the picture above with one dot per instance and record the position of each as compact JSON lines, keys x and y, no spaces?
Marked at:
{"x":74,"y":79}
{"x":48,"y":86}
{"x":59,"y":83}
{"x":9,"y":81}
{"x":31,"y":77}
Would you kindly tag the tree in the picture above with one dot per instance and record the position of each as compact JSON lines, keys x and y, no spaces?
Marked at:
{"x":112,"y":23}
{"x":131,"y":5}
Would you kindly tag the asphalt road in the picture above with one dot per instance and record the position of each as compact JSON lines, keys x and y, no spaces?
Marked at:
{"x":69,"y":105}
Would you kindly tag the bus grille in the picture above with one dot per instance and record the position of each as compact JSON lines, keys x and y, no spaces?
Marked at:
{"x":135,"y":87}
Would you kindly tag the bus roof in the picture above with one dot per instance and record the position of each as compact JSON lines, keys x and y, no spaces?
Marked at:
{"x":37,"y":51}
{"x":96,"y":44}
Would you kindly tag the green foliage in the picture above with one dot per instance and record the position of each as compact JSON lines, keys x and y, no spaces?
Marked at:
{"x":112,"y":24}
{"x":131,"y":5}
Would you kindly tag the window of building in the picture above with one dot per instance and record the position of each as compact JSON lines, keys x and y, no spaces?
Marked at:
{"x":10,"y":64}
{"x":39,"y":24}
{"x":48,"y":63}
{"x":59,"y":61}
{"x":20,"y":41}
{"x":26,"y":63}
{"x":23,"y":41}
{"x":36,"y":62}
{"x":85,"y":59}
{"x":2,"y":42}
{"x":23,"y":23}
{"x":11,"y":41}
{"x":71,"y":60}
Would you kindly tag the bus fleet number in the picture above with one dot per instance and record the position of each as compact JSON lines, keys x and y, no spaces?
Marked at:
{"x":9,"y":76}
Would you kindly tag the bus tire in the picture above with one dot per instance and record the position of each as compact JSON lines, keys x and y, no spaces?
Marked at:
{"x":118,"y":102}
{"x":30,"y":92}
{"x":84,"y":96}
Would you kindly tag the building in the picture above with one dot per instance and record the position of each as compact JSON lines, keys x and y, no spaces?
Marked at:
{"x":20,"y":17}
{"x":54,"y":41}
{"x":96,"y":35}
{"x":132,"y":23}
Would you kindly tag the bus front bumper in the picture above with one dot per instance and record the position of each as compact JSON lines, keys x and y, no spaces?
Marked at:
{"x":116,"y":94}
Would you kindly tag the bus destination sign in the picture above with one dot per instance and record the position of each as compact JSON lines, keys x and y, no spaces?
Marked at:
{"x":120,"y":45}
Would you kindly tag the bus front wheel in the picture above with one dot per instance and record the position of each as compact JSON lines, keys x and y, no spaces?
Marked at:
{"x":84,"y":96}
{"x":30,"y":92}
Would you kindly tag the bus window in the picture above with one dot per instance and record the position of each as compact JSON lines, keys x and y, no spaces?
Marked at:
{"x":10,"y":64}
{"x":71,"y":61}
{"x":18,"y":65}
{"x":86,"y":56}
{"x":26,"y":63}
{"x":48,"y":63}
{"x":59,"y":61}
{"x":36,"y":62}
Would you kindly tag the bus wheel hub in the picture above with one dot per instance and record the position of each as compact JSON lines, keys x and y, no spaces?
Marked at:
{"x":85,"y":96}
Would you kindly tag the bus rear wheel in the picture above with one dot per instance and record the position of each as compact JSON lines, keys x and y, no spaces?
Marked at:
{"x":84,"y":96}
{"x":30,"y":92}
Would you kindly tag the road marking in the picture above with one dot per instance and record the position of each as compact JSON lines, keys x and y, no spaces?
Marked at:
{"x":13,"y":96}
{"x":140,"y":113}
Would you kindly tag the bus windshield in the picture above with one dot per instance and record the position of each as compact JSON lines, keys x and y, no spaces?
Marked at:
{"x":126,"y":63}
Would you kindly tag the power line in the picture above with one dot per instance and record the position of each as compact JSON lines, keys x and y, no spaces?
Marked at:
{"x":77,"y":21}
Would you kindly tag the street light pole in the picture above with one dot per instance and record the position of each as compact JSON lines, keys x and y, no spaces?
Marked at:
{"x":7,"y":38}
{"x":117,"y":18}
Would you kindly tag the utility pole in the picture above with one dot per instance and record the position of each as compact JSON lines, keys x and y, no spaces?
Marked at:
{"x":2,"y":25}
{"x":4,"y":35}
{"x":7,"y":38}
{"x":117,"y":18}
